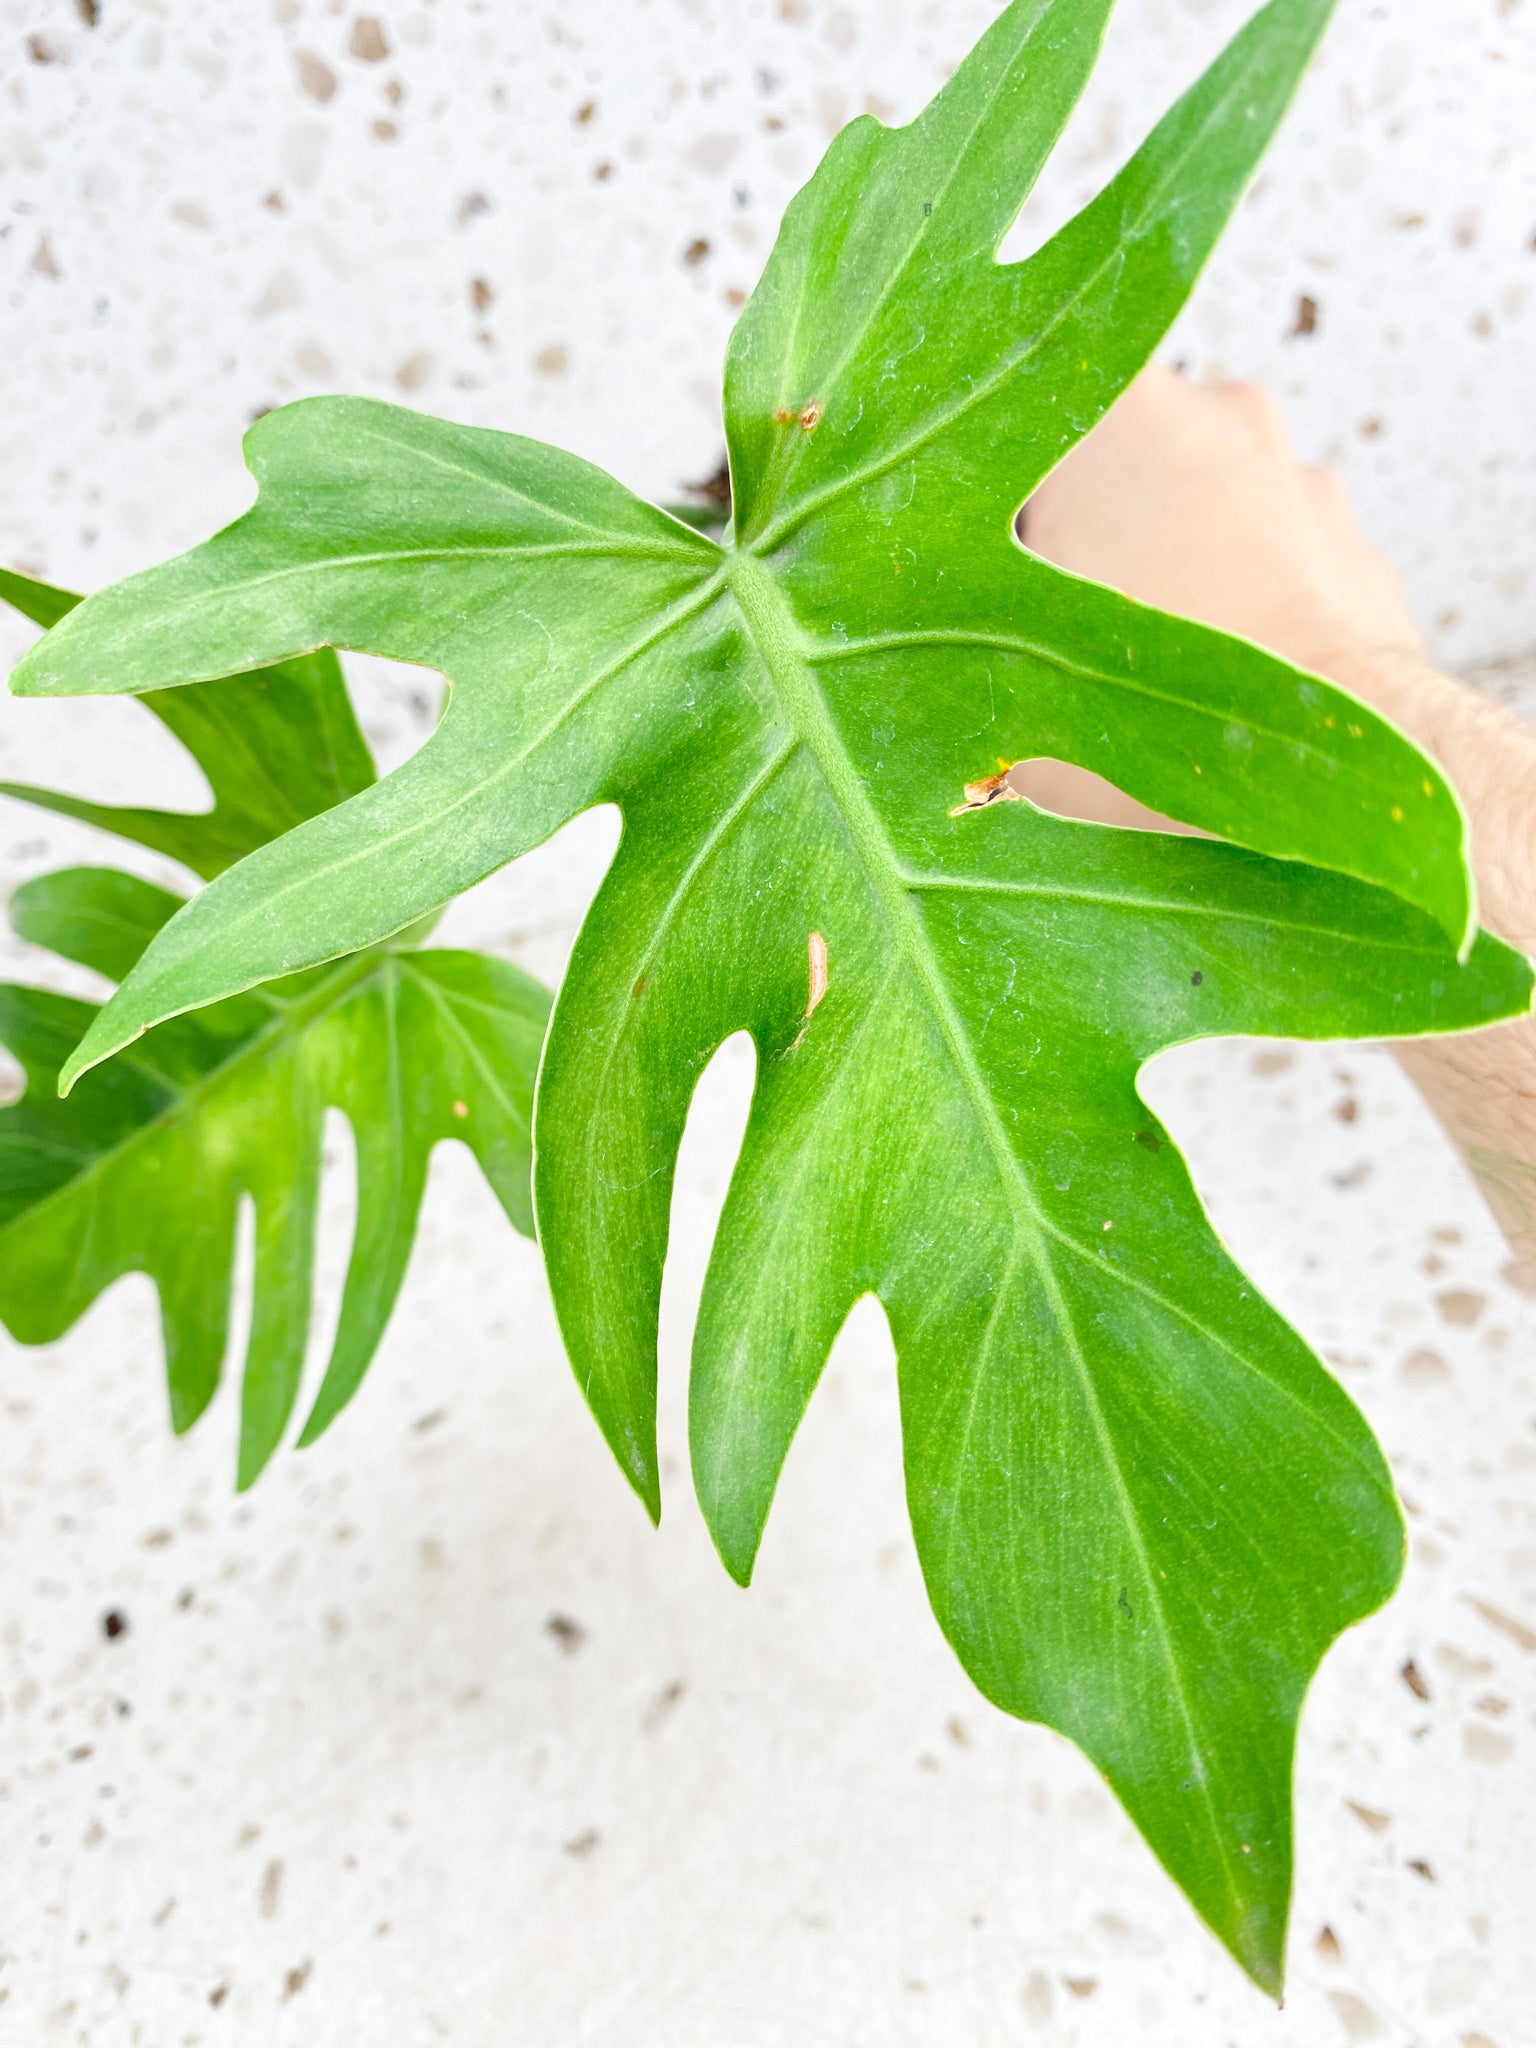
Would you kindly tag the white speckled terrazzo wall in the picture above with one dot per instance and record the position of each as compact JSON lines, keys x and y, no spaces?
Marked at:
{"x":338,"y":1780}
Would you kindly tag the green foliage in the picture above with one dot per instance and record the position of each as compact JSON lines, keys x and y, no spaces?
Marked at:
{"x":142,"y":1168}
{"x":277,"y":745}
{"x":1143,"y":1508}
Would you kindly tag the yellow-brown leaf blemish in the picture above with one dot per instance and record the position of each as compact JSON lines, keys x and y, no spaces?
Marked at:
{"x":810,"y":416}
{"x":992,"y":789}
{"x":784,"y":415}
{"x":816,"y":955}
{"x":816,"y":963}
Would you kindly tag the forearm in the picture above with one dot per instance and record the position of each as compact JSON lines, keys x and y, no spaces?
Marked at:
{"x":1482,"y":1087}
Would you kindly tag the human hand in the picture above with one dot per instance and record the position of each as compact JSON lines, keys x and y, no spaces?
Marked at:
{"x":1190,"y":499}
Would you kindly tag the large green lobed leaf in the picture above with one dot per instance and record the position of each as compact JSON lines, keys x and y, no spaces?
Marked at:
{"x":1143,"y":1508}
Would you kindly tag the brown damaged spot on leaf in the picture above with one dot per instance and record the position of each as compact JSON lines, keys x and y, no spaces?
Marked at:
{"x":810,"y":416}
{"x":816,"y":957}
{"x":991,"y":789}
{"x":816,"y":965}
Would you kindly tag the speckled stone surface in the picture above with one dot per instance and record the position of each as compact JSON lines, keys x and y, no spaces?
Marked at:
{"x":430,"y":1739}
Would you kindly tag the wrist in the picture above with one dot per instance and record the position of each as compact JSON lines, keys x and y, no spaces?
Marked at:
{"x":1382,"y":673}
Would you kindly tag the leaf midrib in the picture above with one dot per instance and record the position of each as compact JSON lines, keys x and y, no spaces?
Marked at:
{"x":774,"y":633}
{"x":781,"y":471}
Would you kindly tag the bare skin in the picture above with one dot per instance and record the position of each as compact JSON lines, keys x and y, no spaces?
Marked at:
{"x":1190,"y":499}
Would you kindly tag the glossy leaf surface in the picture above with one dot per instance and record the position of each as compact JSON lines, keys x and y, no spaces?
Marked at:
{"x":1142,"y":1506}
{"x":277,"y":745}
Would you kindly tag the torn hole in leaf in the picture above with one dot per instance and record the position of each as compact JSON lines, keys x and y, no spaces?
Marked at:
{"x":531,"y":910}
{"x":1067,"y":791}
{"x":706,"y":1158}
{"x":398,"y":705}
{"x":13,"y":1082}
{"x":334,"y":1239}
{"x":330,"y":1249}
{"x":237,"y":1335}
